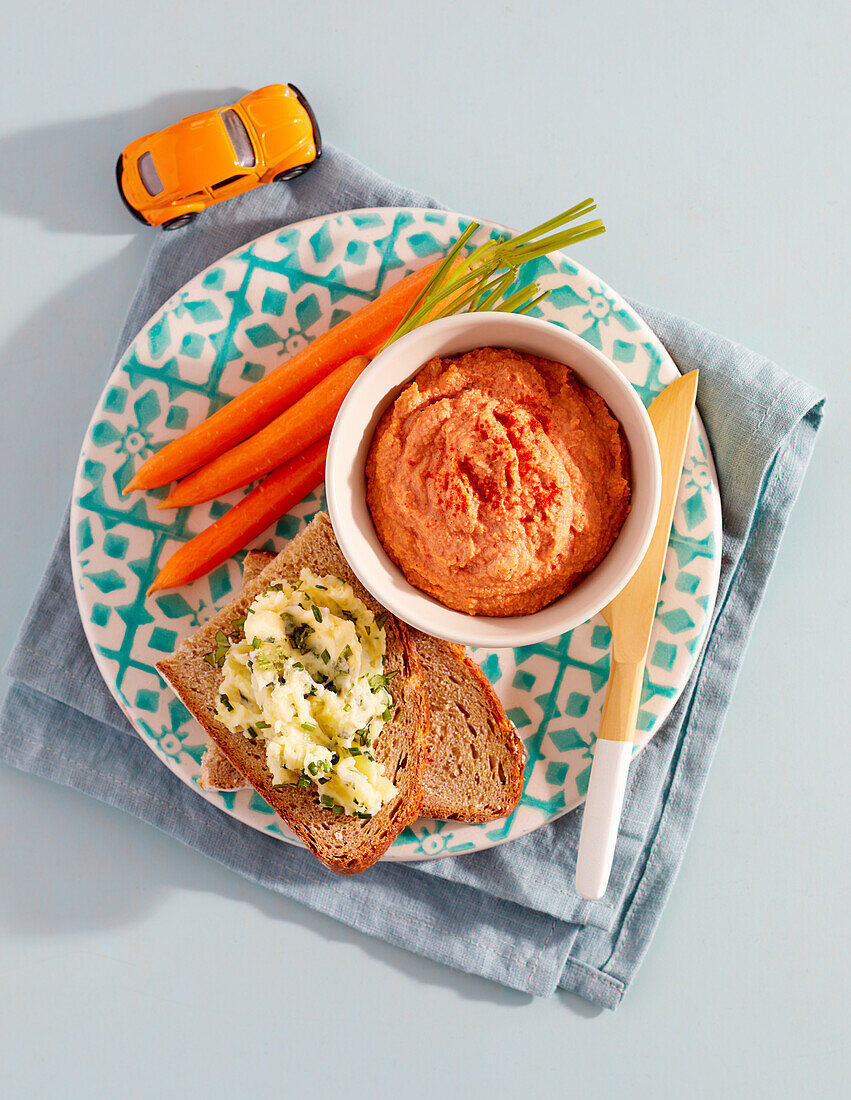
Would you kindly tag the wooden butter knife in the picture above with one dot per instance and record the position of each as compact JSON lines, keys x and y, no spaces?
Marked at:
{"x":630,"y":616}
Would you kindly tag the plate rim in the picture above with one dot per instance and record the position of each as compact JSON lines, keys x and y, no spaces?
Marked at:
{"x":400,"y":856}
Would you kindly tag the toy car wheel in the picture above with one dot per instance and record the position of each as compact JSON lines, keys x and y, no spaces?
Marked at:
{"x":291,"y":173}
{"x":176,"y":223}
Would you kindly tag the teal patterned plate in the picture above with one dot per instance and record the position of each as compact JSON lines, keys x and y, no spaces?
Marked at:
{"x":219,"y":334}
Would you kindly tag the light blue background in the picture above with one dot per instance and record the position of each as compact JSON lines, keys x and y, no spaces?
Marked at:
{"x":716,"y":145}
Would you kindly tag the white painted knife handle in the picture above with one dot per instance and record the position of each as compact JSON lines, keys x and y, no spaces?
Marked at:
{"x":601,"y":817}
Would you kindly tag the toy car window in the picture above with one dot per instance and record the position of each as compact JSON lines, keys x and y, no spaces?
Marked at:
{"x":239,"y":139}
{"x":148,"y":174}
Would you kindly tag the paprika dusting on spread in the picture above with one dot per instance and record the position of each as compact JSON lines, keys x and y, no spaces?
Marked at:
{"x":497,"y":480}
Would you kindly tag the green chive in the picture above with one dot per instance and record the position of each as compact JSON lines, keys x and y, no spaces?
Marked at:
{"x":299,"y":636}
{"x":535,"y":302}
{"x":317,"y":614}
{"x":381,"y":680}
{"x":477,"y":280}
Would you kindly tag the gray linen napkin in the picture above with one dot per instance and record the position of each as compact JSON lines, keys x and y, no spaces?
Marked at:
{"x":511,"y":913}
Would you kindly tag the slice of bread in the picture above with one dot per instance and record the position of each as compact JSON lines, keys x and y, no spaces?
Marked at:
{"x":345,"y":844}
{"x":474,"y":770}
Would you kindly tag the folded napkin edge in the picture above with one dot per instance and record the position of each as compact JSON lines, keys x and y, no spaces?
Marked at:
{"x":331,"y":182}
{"x":524,"y":951}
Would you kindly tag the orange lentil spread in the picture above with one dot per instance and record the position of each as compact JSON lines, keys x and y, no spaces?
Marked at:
{"x":497,"y":480}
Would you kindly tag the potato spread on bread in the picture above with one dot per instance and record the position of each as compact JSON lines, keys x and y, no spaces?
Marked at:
{"x":308,"y":678}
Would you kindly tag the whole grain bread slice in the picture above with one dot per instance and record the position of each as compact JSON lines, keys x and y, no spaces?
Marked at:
{"x":474,"y":769}
{"x":345,"y":844}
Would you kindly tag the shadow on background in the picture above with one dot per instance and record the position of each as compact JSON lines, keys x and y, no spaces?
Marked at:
{"x":63,"y":174}
{"x":79,"y":883}
{"x":58,"y":355}
{"x":55,"y":363}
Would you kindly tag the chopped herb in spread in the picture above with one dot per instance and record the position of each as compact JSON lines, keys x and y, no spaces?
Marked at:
{"x":300,"y":635}
{"x":379,"y":681}
{"x":217,"y":657}
{"x":308,"y":679}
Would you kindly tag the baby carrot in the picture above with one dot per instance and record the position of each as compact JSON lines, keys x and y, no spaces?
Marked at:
{"x":362,"y":333}
{"x":303,"y":423}
{"x":274,"y":496}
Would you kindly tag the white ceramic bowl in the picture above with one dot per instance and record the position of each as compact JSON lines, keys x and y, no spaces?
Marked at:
{"x":380,"y":384}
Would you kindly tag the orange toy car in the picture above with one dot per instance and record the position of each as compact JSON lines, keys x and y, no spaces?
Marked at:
{"x":168,"y":177}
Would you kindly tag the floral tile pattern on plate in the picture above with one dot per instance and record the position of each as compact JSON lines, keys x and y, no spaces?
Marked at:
{"x":224,"y":330}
